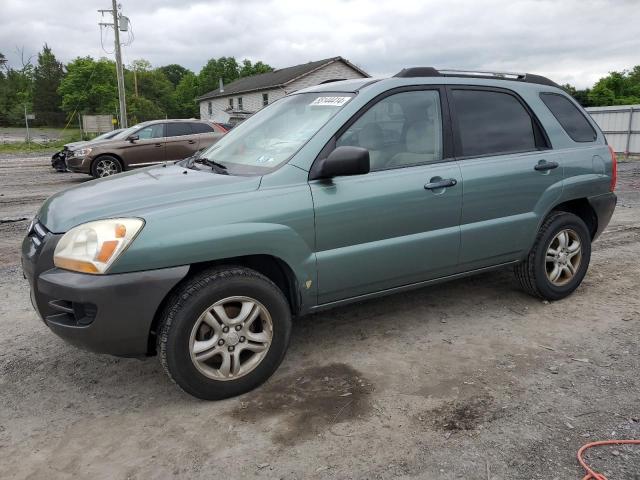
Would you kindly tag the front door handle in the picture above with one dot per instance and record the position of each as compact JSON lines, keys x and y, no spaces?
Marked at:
{"x":158,"y":144}
{"x":444,"y":183}
{"x":191,"y":142}
{"x":543,"y":165}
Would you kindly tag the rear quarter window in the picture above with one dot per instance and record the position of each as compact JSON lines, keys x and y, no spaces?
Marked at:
{"x":570,"y":117}
{"x":202,"y":128}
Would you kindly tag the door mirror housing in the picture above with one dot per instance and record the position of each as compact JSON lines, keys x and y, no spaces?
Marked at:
{"x":343,"y":161}
{"x":133,"y":138}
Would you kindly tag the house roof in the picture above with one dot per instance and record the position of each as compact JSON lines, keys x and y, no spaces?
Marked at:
{"x":277,"y":78}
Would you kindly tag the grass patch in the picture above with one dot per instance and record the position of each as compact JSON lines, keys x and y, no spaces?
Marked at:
{"x":37,"y":145}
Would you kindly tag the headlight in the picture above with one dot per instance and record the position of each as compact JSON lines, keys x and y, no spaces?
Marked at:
{"x":82,"y":152}
{"x":93,"y":247}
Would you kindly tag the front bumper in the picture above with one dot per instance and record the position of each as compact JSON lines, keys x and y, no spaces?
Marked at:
{"x":102,"y":313}
{"x":79,"y":164}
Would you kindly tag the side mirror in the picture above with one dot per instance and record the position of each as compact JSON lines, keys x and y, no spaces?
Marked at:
{"x":343,"y":161}
{"x":133,"y":138}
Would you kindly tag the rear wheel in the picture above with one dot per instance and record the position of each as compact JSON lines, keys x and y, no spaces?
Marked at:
{"x":559,"y":259}
{"x":224,"y":332}
{"x":105,"y":166}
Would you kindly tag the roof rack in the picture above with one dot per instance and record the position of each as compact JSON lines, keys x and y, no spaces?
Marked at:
{"x":432,"y":72}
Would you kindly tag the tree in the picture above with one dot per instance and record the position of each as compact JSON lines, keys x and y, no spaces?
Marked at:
{"x":151,"y":84}
{"x":185,"y":96}
{"x":174,"y":73}
{"x":617,"y":88}
{"x":257,"y":68}
{"x":140,"y":109}
{"x":89,"y":87}
{"x":227,"y":69}
{"x":47,"y":76}
{"x":16,"y":88}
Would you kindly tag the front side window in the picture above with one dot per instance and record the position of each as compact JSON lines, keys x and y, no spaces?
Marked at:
{"x":152,"y":131}
{"x":275,"y":133}
{"x":178,"y":129}
{"x":569,"y":117}
{"x":492,"y":122}
{"x":400,"y":130}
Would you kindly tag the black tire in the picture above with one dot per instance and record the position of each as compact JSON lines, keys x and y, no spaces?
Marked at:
{"x":193,"y":298}
{"x":532,"y":272}
{"x":99,"y":166}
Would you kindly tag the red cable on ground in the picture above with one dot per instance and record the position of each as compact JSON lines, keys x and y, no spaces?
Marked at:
{"x":591,"y":475}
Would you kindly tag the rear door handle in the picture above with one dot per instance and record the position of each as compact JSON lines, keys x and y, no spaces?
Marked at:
{"x":543,"y":165}
{"x":444,"y":183}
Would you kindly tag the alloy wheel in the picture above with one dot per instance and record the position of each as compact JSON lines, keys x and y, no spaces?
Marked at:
{"x":230,"y":338}
{"x":107,"y":167}
{"x":563,"y":257}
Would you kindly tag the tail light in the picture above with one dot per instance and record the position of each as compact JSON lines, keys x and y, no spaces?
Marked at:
{"x":614,"y":169}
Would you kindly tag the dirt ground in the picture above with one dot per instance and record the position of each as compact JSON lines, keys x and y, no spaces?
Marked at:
{"x":467,"y":380}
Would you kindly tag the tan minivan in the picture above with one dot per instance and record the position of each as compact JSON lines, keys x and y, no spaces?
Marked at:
{"x":144,"y":144}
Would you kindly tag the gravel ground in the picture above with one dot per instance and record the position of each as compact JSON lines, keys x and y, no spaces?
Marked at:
{"x":471,"y":379}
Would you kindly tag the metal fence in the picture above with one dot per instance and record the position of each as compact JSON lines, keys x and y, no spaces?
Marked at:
{"x":621,"y":125}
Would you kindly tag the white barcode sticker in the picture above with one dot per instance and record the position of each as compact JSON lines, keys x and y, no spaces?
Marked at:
{"x":330,"y":101}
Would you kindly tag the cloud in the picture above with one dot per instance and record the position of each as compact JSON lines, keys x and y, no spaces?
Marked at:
{"x":575,"y":41}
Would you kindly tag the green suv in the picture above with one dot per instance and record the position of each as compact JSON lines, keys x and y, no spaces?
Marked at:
{"x":334,"y":194}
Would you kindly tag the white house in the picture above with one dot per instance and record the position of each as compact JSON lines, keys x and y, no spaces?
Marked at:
{"x":234,"y":102}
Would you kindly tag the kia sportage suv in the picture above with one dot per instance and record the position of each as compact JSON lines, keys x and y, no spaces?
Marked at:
{"x":333,"y":194}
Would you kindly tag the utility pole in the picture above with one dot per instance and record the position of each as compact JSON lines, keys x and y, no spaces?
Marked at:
{"x":119,"y":68}
{"x":26,"y":122}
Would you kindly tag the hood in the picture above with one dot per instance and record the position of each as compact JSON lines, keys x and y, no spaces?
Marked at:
{"x":72,"y":145}
{"x":136,"y":193}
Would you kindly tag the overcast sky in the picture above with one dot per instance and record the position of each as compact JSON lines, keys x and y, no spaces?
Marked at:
{"x":575,"y":41}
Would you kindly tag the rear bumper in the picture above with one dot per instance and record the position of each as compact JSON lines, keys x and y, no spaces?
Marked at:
{"x":604,"y":206}
{"x":102,"y":313}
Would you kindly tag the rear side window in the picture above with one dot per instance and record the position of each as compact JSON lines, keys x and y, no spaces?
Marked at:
{"x":492,"y":123}
{"x":178,"y":129}
{"x":202,"y":128}
{"x":570,"y":117}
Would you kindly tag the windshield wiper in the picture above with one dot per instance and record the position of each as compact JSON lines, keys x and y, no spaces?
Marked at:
{"x":215,"y":166}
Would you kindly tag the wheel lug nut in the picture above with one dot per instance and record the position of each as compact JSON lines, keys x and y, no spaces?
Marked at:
{"x":225,"y":329}
{"x":238,"y":327}
{"x":221,"y":342}
{"x":231,"y":348}
{"x":242,"y":339}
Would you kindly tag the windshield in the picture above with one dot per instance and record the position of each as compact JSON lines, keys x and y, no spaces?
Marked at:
{"x":107,"y":135}
{"x":274,"y":134}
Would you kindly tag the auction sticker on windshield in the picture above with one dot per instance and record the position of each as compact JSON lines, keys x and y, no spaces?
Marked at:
{"x":330,"y":101}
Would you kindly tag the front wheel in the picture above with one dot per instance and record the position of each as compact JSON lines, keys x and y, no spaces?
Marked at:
{"x":105,"y":166}
{"x":559,"y":259}
{"x":224,"y":332}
